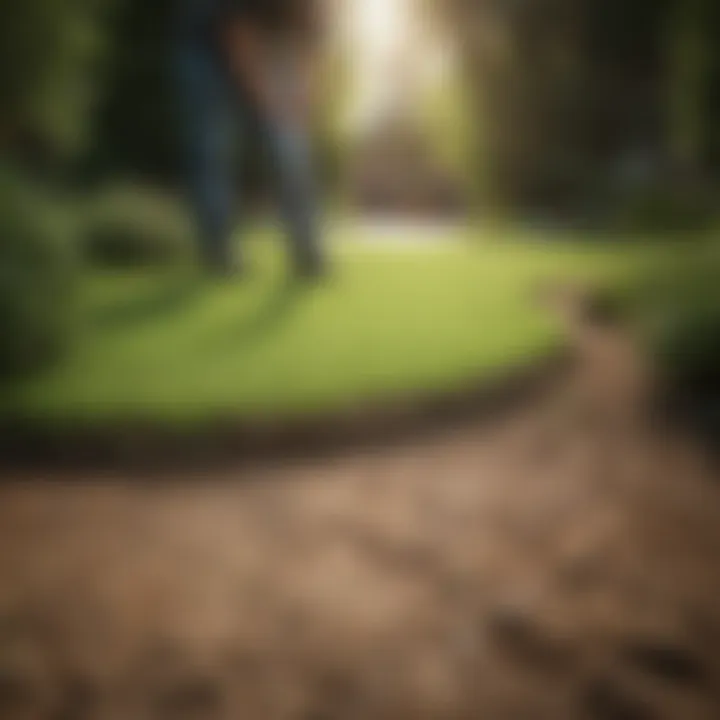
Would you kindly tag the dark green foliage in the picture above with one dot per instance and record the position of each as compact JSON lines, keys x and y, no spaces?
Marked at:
{"x":631,"y":76}
{"x":37,"y":280}
{"x":688,"y":349}
{"x":665,"y":209}
{"x":678,"y":305}
{"x":711,"y":104}
{"x":130,"y":226}
{"x":48,"y":60}
{"x":138,"y":126}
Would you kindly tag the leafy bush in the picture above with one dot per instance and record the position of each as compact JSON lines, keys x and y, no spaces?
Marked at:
{"x":135,"y":226}
{"x":37,"y":280}
{"x":664,"y":209}
{"x":678,"y":305}
{"x":49,"y":51}
{"x":688,"y":348}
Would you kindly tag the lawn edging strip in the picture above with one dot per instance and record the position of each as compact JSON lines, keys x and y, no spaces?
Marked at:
{"x":151,"y":446}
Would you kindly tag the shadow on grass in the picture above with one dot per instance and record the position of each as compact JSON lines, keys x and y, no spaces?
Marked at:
{"x":275,"y":310}
{"x":171,"y":298}
{"x":167,"y":299}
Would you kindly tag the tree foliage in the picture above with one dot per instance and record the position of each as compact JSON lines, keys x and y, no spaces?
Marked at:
{"x":49,"y":52}
{"x":573,"y":93}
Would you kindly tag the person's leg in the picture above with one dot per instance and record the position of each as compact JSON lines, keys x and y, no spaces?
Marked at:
{"x":291,"y":157}
{"x":207,"y":119}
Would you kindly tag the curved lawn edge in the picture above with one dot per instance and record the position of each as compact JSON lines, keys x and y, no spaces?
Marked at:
{"x":148,"y":446}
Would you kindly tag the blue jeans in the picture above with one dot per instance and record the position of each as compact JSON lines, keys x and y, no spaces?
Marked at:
{"x":211,"y":110}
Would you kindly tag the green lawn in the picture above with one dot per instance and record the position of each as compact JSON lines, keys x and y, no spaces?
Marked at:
{"x":173,"y":347}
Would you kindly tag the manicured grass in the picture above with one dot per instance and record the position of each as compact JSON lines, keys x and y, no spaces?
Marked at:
{"x":173,"y":347}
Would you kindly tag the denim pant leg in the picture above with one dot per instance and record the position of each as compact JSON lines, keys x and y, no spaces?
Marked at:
{"x":291,"y":158}
{"x":207,"y":118}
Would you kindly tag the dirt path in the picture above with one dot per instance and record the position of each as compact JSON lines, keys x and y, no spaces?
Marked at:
{"x":563,"y":563}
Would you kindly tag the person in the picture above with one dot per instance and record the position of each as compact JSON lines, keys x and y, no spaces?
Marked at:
{"x":248,"y":64}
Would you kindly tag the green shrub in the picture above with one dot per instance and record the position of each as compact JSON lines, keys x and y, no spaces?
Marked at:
{"x":128,"y":227}
{"x":49,"y":63}
{"x":679,"y":307}
{"x":688,"y":348}
{"x":663,"y":209}
{"x":37,"y":280}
